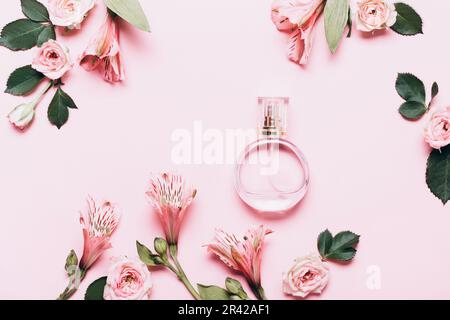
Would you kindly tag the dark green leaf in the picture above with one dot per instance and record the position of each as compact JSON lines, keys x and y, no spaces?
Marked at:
{"x":131,"y":11}
{"x":438,"y":173}
{"x":408,"y":22}
{"x":147,"y":257}
{"x":343,"y":243}
{"x":58,"y":111}
{"x":343,"y":246}
{"x":21,"y":34}
{"x":35,"y":10}
{"x":336,"y":18}
{"x":342,"y":255}
{"x":235,"y":288}
{"x":71,"y":263}
{"x":349,"y":23}
{"x":46,"y":34}
{"x":213,"y":293}
{"x":324,"y":242}
{"x":434,"y":90}
{"x":23,"y":80}
{"x":96,"y":289}
{"x":410,"y":88}
{"x":412,"y":110}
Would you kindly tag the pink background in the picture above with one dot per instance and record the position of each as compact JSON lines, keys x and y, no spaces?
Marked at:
{"x":209,"y":60}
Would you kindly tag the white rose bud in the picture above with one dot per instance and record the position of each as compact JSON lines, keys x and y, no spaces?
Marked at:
{"x":22,"y":115}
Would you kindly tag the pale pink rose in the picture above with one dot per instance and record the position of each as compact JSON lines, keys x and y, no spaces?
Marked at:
{"x":297,"y":17}
{"x":242,"y":254}
{"x":69,"y":13}
{"x":308,"y":275}
{"x":52,"y":59}
{"x":104,"y":51}
{"x":128,"y":279}
{"x":99,"y":223}
{"x":437,"y":133}
{"x":372,"y":15}
{"x":170,"y":197}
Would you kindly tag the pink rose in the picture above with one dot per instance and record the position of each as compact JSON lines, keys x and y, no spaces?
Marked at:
{"x":308,"y":275}
{"x":69,"y":13}
{"x":374,"y":14}
{"x":52,"y":59}
{"x":437,"y":133}
{"x":128,"y":279}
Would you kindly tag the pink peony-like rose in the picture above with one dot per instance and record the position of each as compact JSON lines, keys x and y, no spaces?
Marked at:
{"x":52,"y":59}
{"x":128,"y":279}
{"x":374,"y":14}
{"x":308,"y":275}
{"x":69,"y":13}
{"x":437,"y":133}
{"x":297,"y":17}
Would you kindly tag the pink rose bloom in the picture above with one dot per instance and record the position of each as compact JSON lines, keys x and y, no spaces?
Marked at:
{"x":128,"y":279}
{"x":437,"y":133}
{"x":297,"y":17}
{"x":243,"y":254}
{"x":104,"y":51}
{"x":99,"y":223}
{"x":52,"y":59}
{"x":69,"y":13}
{"x":170,"y":198}
{"x":374,"y":14}
{"x":308,"y":275}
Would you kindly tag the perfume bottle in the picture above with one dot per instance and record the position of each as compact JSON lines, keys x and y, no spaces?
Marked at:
{"x":272,"y":174}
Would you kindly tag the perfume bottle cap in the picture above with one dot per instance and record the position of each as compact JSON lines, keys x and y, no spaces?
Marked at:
{"x":273,"y":113}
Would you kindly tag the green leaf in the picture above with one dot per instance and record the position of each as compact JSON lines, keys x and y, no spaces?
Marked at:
{"x":336,"y":18}
{"x":147,"y":257}
{"x":21,"y":34}
{"x":438,"y":173}
{"x":213,"y":293}
{"x":34,"y":10}
{"x":349,"y":23}
{"x":412,"y":110}
{"x":434,"y":90}
{"x":343,"y":245}
{"x":71,"y":263}
{"x":23,"y":80}
{"x":131,"y":11}
{"x":58,"y":111}
{"x":408,"y":23}
{"x":410,"y":88}
{"x":324,"y":242}
{"x":235,"y":288}
{"x":96,"y":289}
{"x":46,"y":34}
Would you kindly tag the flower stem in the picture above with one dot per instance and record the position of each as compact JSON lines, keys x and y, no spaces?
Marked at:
{"x":258,"y":291}
{"x":173,"y":250}
{"x":72,"y":287}
{"x":43,"y":92}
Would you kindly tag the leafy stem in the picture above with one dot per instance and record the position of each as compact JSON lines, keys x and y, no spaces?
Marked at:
{"x":178,"y":270}
{"x":72,"y":287}
{"x":38,"y":98}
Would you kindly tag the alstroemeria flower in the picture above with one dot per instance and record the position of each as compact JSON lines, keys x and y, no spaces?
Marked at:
{"x":244,"y":254}
{"x":99,"y":223}
{"x":104,"y":51}
{"x":170,"y":197}
{"x":297,"y":17}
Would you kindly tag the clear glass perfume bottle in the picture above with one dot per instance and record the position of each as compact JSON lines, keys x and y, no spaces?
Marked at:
{"x":272,"y":175}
